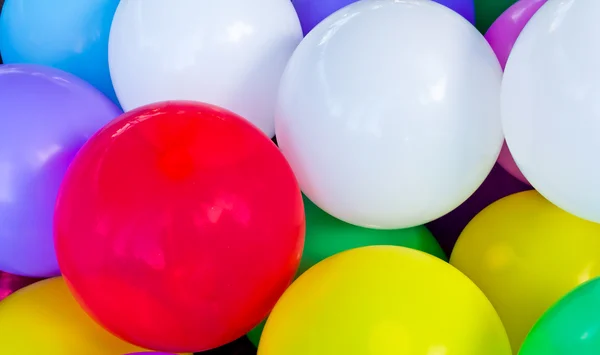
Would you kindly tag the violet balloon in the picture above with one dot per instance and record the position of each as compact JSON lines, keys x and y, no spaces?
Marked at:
{"x":502,"y":36}
{"x":311,"y":12}
{"x":46,"y":115}
{"x":466,"y":8}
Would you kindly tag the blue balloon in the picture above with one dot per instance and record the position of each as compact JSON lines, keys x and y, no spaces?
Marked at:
{"x":312,"y":12}
{"x":466,"y":8}
{"x":71,"y":35}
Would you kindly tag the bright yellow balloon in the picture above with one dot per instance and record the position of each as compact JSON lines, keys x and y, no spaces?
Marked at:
{"x":44,"y":318}
{"x":383,"y":300}
{"x":525,"y":254}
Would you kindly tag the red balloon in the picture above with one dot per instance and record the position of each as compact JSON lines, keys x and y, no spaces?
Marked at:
{"x":178,"y":226}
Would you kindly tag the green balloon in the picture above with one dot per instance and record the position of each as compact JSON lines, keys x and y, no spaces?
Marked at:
{"x":570,"y":327}
{"x":487,"y":11}
{"x":254,"y":334}
{"x":327,"y":236}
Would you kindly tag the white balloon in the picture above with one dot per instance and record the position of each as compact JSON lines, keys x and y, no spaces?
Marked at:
{"x":229,"y":53}
{"x":551,"y":104}
{"x":389,"y":112}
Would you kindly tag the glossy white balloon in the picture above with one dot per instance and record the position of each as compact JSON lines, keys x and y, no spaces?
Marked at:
{"x":551,"y":104}
{"x":229,"y":53}
{"x":389,"y":112}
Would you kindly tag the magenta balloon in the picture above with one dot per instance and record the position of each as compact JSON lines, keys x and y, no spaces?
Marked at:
{"x":502,"y":36}
{"x":45,"y":117}
{"x":10,"y":283}
{"x":506,"y":161}
{"x":504,"y":32}
{"x":151,"y":353}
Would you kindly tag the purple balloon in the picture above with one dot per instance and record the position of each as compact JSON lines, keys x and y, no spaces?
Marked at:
{"x":312,"y":12}
{"x":504,"y":32}
{"x":498,"y":184}
{"x":46,"y":115}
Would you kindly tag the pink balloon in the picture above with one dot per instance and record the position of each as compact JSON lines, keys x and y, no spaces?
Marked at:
{"x":10,"y":283}
{"x":502,"y":36}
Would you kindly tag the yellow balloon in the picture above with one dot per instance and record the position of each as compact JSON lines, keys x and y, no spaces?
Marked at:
{"x":525,"y":254}
{"x":383,"y":300}
{"x":44,"y":318}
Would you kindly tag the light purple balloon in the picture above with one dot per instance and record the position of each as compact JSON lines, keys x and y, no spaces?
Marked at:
{"x":502,"y":36}
{"x":46,"y":115}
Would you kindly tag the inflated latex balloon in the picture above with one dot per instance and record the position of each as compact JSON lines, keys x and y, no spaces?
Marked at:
{"x":504,"y":32}
{"x":151,"y":353}
{"x":383,"y":300}
{"x":1,"y":6}
{"x":382,"y":139}
{"x":570,"y":326}
{"x":228,"y":53}
{"x":312,"y":12}
{"x":550,"y":96}
{"x":466,"y":8}
{"x":525,"y":254}
{"x":71,"y":35}
{"x":508,"y":163}
{"x":502,"y":36}
{"x":10,"y":283}
{"x":497,"y":185}
{"x":178,"y":226}
{"x":327,"y":236}
{"x":44,"y":318}
{"x":46,"y":115}
{"x":487,"y":11}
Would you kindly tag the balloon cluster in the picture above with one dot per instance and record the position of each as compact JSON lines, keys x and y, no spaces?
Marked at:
{"x":145,"y":204}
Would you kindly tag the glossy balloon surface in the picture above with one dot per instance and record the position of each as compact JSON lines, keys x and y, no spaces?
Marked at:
{"x":502,"y":36}
{"x":383,"y":300}
{"x":525,"y":254}
{"x":10,"y":283}
{"x":504,"y":32}
{"x":465,"y":8}
{"x":312,"y":12}
{"x":550,"y":113}
{"x":327,"y":236}
{"x":570,"y":326}
{"x":44,"y":318}
{"x":229,"y":53}
{"x":46,"y":115}
{"x":71,"y":35}
{"x":178,"y":226}
{"x":382,"y":139}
